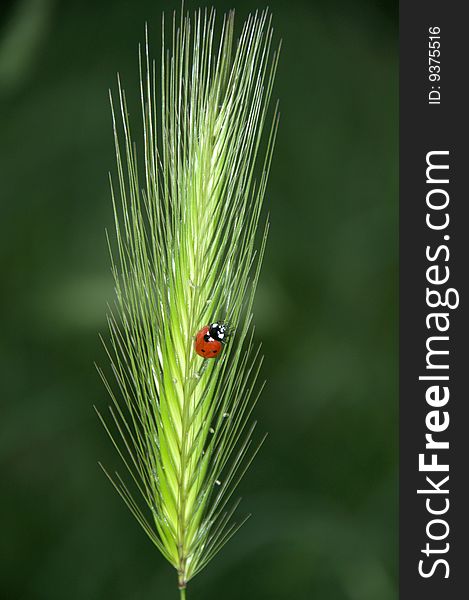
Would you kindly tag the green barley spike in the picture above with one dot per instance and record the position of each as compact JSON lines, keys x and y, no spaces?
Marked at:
{"x":185,"y":255}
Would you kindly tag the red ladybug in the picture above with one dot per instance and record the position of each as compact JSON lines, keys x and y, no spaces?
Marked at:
{"x":209,"y":340}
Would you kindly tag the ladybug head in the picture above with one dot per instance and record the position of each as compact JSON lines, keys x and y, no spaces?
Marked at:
{"x":218,"y":331}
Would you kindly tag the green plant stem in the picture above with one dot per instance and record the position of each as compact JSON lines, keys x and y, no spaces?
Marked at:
{"x":183,"y":593}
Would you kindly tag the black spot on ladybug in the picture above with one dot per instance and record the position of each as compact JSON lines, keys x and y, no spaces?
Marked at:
{"x":214,"y":351}
{"x":203,"y":350}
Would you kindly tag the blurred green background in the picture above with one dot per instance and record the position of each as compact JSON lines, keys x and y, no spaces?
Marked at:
{"x":323,"y":491}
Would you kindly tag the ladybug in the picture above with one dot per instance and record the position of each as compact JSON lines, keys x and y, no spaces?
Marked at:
{"x":209,"y":340}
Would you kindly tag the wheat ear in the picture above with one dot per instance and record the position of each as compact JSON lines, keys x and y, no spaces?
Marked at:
{"x":184,"y":255}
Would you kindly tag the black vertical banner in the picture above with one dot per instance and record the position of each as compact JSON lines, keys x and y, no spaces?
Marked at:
{"x":434,"y":267}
